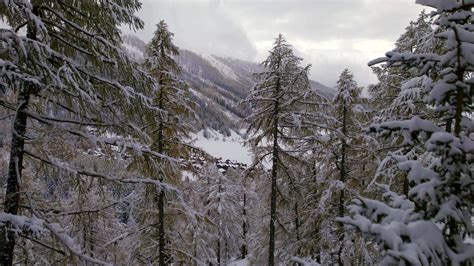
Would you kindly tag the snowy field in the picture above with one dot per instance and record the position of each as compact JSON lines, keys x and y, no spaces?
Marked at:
{"x":223,"y":147}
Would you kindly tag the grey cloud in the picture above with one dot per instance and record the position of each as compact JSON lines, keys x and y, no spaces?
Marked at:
{"x":332,"y":35}
{"x":327,"y":19}
{"x":329,"y":34}
{"x":199,"y":26}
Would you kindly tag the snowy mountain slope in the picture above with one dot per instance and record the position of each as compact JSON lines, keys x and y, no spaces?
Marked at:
{"x":323,"y":89}
{"x":224,"y":69}
{"x":218,"y":85}
{"x":221,"y":88}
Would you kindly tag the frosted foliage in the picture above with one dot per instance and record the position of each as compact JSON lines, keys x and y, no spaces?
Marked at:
{"x":430,"y":203}
{"x":282,"y":93}
{"x":432,"y":223}
{"x":216,"y":235}
{"x":400,"y":92}
{"x":347,"y":88}
{"x":20,"y":223}
{"x":86,"y":105}
{"x":284,"y":81}
{"x":340,"y":163}
{"x":285,"y":123}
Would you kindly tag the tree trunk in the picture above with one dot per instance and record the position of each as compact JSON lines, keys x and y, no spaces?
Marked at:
{"x":195,"y":263}
{"x":15,"y":165}
{"x":342,"y":178}
{"x":161,"y":226}
{"x":297,"y":222}
{"x":297,"y":229}
{"x":316,"y":235}
{"x":244,"y":227}
{"x":219,"y":254}
{"x":219,"y":250}
{"x":273,"y":196}
{"x":161,"y":196}
{"x":459,"y":109}
{"x":448,"y":125}
{"x":460,"y":91}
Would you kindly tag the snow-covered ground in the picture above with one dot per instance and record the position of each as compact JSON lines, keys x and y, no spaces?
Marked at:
{"x":223,"y":147}
{"x":243,"y":262}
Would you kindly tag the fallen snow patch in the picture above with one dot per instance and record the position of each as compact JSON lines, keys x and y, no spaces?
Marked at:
{"x":243,"y":262}
{"x":220,"y":146}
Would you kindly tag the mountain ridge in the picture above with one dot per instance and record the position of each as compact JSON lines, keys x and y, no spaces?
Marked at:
{"x":217,"y":84}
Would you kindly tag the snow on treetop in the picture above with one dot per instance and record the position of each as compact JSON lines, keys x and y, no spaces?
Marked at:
{"x":443,"y":5}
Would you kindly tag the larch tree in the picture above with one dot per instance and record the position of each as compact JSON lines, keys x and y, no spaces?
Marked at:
{"x":280,"y":89}
{"x":431,"y":224}
{"x":169,"y":129}
{"x":224,"y":211}
{"x":339,"y":172}
{"x":216,"y":237}
{"x":309,"y":144}
{"x":76,"y":91}
{"x":196,"y":238}
{"x":346,"y":136}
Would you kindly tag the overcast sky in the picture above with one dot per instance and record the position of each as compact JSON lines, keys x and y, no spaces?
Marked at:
{"x":329,"y":34}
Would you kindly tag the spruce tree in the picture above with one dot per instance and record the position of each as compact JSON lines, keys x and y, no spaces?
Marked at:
{"x":386,"y":94}
{"x":393,"y":98}
{"x":431,"y":223}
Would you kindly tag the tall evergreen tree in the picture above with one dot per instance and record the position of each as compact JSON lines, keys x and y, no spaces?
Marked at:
{"x":168,"y":129}
{"x":348,"y":127}
{"x":417,"y":38}
{"x":341,"y":164}
{"x":281,"y":87}
{"x":431,"y":223}
{"x":76,"y":90}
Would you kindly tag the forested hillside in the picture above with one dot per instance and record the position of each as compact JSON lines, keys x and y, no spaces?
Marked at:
{"x":114,"y":151}
{"x":218,"y":85}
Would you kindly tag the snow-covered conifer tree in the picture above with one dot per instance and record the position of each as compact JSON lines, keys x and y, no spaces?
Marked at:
{"x":391,"y":100}
{"x":433,"y":222}
{"x":386,"y":97}
{"x":225,"y":213}
{"x":216,"y":237}
{"x":346,"y":138}
{"x":339,"y":173}
{"x":277,"y":98}
{"x":76,"y":91}
{"x":168,"y":130}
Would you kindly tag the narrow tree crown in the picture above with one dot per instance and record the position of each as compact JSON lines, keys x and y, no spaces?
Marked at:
{"x":161,"y":50}
{"x":283,"y":81}
{"x":347,"y":89}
